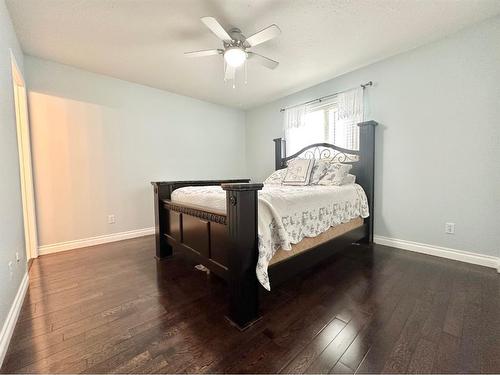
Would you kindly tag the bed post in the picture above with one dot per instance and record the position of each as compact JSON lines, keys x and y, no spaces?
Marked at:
{"x":161,"y":191}
{"x":242,"y":207}
{"x":279,"y":152}
{"x":367,"y":163}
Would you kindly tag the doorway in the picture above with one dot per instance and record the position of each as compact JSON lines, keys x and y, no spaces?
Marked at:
{"x":25,"y":164}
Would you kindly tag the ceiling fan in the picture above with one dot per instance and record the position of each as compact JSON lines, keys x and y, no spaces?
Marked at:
{"x":235,"y":47}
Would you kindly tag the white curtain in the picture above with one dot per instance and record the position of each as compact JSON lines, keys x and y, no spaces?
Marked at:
{"x":350,"y":114}
{"x":295,"y":117}
{"x":333,"y":120}
{"x":294,"y":125}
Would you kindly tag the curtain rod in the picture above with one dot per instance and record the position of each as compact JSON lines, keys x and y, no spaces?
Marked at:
{"x":363,"y":86}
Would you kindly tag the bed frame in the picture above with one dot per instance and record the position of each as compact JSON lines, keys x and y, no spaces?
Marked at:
{"x":226,"y":242}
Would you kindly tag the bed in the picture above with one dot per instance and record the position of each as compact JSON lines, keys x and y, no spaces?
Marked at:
{"x":233,"y":227}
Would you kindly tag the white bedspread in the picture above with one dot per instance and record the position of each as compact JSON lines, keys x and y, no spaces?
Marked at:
{"x":287,"y":214}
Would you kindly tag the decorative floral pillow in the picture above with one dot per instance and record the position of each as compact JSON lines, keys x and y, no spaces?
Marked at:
{"x":299,"y":172}
{"x":276,"y":178}
{"x":319,"y":169}
{"x":335,"y":174}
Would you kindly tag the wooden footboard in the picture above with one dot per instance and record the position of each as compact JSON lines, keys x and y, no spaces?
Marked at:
{"x":201,"y":233}
{"x":224,"y":242}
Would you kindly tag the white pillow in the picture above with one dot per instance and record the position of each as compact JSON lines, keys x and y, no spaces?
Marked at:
{"x":319,"y":169}
{"x":335,"y":174}
{"x":299,"y":172}
{"x":276,"y":178}
{"x":349,"y":180}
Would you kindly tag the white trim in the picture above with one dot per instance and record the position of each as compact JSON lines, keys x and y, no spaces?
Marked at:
{"x":10,"y":322}
{"x":16,"y":72}
{"x":25,"y":162}
{"x":76,"y":244}
{"x":438,"y":251}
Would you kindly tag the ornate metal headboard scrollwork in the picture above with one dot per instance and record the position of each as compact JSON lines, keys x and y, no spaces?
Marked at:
{"x":363,"y":161}
{"x":324,"y":151}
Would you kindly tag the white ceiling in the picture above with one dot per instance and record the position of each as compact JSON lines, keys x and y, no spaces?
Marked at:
{"x":143,"y":40}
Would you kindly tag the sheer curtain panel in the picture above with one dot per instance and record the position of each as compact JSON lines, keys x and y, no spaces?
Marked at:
{"x":333,"y":120}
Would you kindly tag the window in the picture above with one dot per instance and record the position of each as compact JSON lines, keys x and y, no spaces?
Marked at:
{"x":333,"y":121}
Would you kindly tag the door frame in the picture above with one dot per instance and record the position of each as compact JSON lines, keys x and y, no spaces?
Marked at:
{"x":25,"y":161}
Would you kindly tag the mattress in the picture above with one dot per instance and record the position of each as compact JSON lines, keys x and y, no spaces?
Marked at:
{"x":287,"y":214}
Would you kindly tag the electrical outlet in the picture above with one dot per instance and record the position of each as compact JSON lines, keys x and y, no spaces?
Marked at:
{"x":111,"y":219}
{"x":449,"y":228}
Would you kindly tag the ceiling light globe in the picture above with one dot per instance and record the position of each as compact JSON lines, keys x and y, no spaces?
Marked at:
{"x":235,"y":57}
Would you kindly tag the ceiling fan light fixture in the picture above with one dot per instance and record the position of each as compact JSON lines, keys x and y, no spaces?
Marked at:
{"x":235,"y":57}
{"x":235,"y":48}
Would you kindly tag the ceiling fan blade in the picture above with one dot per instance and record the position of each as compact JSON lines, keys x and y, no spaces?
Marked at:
{"x":216,"y":28}
{"x":229,"y":73}
{"x":207,"y":52}
{"x":267,"y":62}
{"x":264,"y":35}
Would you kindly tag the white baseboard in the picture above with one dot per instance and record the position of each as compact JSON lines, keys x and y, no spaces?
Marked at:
{"x":10,"y":322}
{"x":438,"y":251}
{"x":98,"y":240}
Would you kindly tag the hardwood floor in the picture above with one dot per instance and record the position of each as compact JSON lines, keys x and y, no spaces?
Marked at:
{"x":113,"y":308}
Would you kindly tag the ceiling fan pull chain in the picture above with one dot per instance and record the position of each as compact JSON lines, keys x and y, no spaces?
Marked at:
{"x":246,"y":75}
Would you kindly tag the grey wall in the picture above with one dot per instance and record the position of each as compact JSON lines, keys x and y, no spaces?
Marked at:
{"x":438,"y":147}
{"x":11,"y":215}
{"x":98,"y":142}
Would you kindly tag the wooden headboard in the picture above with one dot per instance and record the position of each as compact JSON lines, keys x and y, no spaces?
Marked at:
{"x":363,"y":161}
